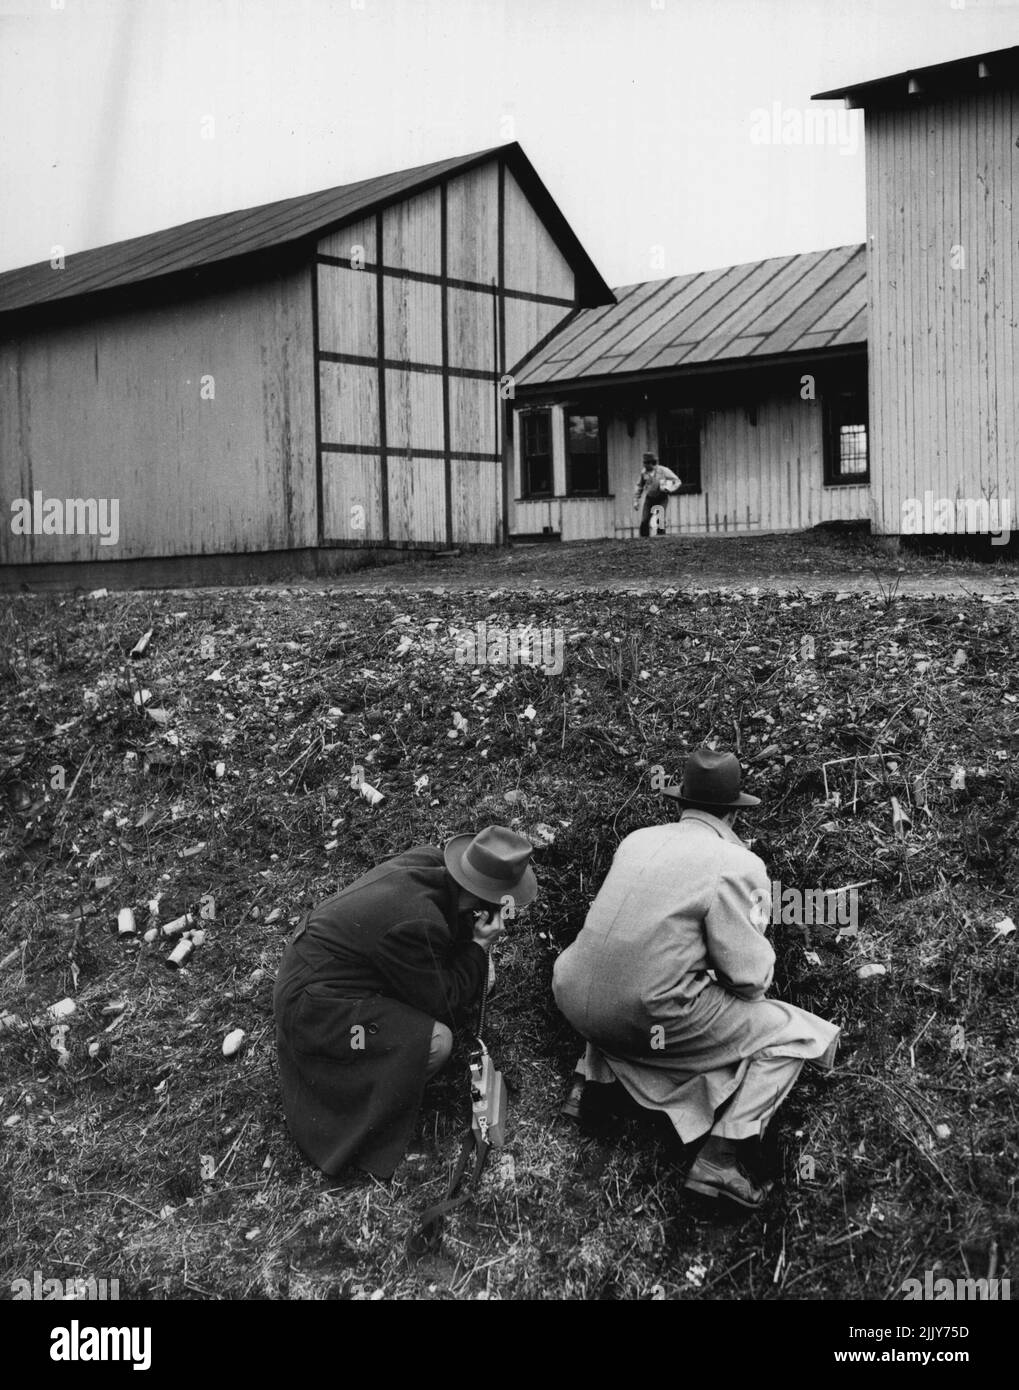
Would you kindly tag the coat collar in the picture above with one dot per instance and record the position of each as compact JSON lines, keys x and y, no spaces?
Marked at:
{"x":723,"y":831}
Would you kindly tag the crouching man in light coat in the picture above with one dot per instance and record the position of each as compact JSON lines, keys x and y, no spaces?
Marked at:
{"x":667,"y":978}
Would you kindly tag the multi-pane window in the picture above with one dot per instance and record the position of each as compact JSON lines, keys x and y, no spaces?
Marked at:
{"x":845,"y":444}
{"x":679,"y":445}
{"x":536,"y":453}
{"x":585,"y":456}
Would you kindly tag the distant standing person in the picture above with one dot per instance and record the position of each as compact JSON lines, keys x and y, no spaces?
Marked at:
{"x":655,"y":484}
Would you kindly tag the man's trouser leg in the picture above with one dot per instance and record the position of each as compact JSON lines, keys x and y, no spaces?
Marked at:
{"x":439,"y":1048}
{"x":652,"y":500}
{"x":766,"y":1083}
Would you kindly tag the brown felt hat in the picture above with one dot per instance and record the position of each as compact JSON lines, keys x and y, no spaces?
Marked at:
{"x":712,"y":779}
{"x":493,"y":864}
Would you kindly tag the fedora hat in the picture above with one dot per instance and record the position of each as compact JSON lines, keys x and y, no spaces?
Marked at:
{"x":712,"y":779}
{"x":492,"y":864}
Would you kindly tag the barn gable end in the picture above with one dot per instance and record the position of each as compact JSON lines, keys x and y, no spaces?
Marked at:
{"x":422,"y":312}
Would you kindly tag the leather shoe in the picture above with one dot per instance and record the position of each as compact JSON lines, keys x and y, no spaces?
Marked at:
{"x":726,"y":1179}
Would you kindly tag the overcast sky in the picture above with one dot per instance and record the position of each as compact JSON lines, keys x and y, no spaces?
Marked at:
{"x":643,"y":117}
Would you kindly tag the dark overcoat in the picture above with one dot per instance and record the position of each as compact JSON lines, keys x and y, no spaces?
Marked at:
{"x":359,"y":988}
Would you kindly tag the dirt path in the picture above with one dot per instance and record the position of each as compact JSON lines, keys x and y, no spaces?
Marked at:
{"x":808,"y":563}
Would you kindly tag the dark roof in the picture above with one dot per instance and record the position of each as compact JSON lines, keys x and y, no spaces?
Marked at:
{"x":229,"y":236}
{"x":763,"y":309}
{"x":981,"y":72}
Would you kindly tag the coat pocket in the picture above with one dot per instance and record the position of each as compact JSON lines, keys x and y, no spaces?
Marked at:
{"x":328,"y":1022}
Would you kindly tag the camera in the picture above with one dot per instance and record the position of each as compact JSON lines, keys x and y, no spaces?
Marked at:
{"x":488,"y":1099}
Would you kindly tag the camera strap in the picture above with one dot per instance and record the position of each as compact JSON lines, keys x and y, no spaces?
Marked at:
{"x":425,"y":1234}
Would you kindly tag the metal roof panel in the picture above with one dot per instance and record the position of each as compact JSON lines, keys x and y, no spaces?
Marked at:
{"x":783,"y":305}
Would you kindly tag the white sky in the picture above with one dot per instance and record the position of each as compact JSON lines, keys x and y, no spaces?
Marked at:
{"x":636,"y":113}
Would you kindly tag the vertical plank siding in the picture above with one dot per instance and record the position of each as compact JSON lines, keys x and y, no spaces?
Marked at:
{"x":472,"y":328}
{"x":413,"y":318}
{"x":414,"y":411}
{"x":411,"y":352}
{"x":942,"y":342}
{"x":349,"y":405}
{"x":410,"y":234}
{"x":527,"y":322}
{"x":472,"y":222}
{"x":532,"y":260}
{"x":353,"y":481}
{"x":113,"y":408}
{"x":348,"y":311}
{"x":477,"y":501}
{"x":472,"y":416}
{"x":756,"y":477}
{"x":417,"y":503}
{"x":355,"y":236}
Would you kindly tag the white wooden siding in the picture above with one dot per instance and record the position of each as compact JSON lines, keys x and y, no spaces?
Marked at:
{"x":943,"y":354}
{"x":349,"y":482}
{"x":533,"y":262}
{"x":113,"y":408}
{"x":755,"y":478}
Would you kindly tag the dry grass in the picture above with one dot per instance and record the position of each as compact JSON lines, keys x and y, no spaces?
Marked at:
{"x":160,"y":1162}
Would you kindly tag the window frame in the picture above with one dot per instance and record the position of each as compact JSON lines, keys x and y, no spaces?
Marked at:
{"x":525,"y":478}
{"x":845,"y":406}
{"x":697,"y":485}
{"x":571,"y":409}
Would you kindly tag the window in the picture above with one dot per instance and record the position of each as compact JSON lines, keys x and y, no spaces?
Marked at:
{"x":845,"y":438}
{"x":536,"y":454}
{"x":585,"y":456}
{"x":679,"y":445}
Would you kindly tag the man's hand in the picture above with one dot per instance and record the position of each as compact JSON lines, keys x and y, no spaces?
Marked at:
{"x":487,"y":929}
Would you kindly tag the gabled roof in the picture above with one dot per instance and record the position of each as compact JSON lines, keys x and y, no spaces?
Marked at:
{"x":981,"y":72}
{"x":761,"y":310}
{"x":227,"y":237}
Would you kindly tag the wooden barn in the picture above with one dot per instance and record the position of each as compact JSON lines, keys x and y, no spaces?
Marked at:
{"x":283,"y":382}
{"x":749,"y":382}
{"x":942,"y":289}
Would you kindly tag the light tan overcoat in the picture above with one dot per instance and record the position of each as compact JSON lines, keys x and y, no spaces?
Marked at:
{"x":677,"y":904}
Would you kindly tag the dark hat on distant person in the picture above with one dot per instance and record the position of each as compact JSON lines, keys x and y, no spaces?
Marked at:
{"x":712,"y":778}
{"x":493,"y":863}
{"x":649,"y":458}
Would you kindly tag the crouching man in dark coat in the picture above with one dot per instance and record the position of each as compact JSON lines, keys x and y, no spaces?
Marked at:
{"x":371,"y":985}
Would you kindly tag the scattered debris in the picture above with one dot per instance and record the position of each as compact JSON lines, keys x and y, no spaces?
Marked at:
{"x":141,"y":646}
{"x":178,"y":925}
{"x":14,"y":955}
{"x":180,"y":953}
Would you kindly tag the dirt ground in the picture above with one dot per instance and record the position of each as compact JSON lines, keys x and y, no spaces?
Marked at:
{"x":215,"y":774}
{"x":810,"y":562}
